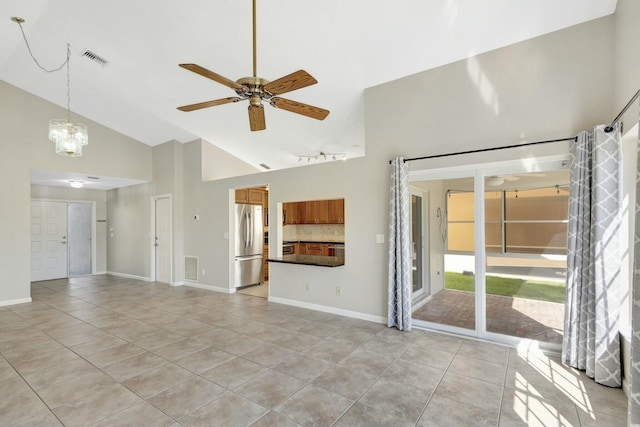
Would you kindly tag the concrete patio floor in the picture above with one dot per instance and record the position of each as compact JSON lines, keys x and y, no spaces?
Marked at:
{"x":520,"y":317}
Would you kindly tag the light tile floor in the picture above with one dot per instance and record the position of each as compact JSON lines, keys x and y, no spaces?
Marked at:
{"x":106,"y":351}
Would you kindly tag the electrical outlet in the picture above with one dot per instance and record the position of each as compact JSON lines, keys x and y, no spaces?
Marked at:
{"x":204,"y":272}
{"x":338,"y":291}
{"x":307,"y":286}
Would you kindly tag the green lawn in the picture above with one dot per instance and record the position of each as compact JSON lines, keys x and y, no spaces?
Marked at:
{"x":509,"y":287}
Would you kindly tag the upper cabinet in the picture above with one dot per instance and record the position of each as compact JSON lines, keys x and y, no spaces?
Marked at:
{"x":336,"y":211}
{"x":251,"y":196}
{"x":314,"y":212}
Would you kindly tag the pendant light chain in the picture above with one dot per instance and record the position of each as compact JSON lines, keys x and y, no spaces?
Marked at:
{"x":53,"y":70}
{"x":68,"y":85}
{"x":69,"y":138}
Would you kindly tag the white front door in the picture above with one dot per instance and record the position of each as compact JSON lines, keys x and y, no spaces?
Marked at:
{"x":48,"y":240}
{"x":163,"y":239}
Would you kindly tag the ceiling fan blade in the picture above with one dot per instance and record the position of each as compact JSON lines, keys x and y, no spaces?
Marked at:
{"x":206,"y":104}
{"x":300,"y":108}
{"x":211,"y":75}
{"x":293,"y":81}
{"x":256,"y":118}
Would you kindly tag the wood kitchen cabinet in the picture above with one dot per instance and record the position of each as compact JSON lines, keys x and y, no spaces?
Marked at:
{"x":265,"y":264}
{"x":318,"y":249}
{"x":317,"y":212}
{"x":252,"y":196}
{"x":336,"y":211}
{"x":265,"y":209}
{"x":314,"y":212}
{"x":290,"y":213}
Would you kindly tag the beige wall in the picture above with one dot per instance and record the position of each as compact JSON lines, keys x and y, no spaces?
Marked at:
{"x":23,"y":144}
{"x":130,"y":217}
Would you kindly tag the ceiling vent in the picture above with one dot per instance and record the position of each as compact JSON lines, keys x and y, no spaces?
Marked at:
{"x":95,"y":58}
{"x":264,"y":166}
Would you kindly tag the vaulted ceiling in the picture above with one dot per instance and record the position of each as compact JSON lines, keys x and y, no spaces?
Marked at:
{"x":346,"y":45}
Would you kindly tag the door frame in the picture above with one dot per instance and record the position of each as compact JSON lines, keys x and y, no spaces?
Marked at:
{"x":94,"y":251}
{"x":152,"y":233}
{"x":479,"y":172}
{"x":424,"y":220}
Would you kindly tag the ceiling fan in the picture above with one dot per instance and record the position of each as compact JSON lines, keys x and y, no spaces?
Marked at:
{"x":496,"y":180}
{"x":256,"y":89}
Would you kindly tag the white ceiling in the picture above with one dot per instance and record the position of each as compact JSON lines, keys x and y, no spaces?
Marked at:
{"x":346,"y":45}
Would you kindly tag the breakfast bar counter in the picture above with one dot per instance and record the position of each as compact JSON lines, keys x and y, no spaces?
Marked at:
{"x":321,"y":261}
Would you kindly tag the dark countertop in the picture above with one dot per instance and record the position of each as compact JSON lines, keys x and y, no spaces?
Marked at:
{"x":321,"y":261}
{"x":313,"y":241}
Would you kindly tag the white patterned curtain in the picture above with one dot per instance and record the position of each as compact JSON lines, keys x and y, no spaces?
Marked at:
{"x":634,"y":375}
{"x":399,"y":313}
{"x":591,"y":335}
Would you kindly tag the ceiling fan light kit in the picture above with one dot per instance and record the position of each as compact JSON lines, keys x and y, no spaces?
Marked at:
{"x":256,"y":90}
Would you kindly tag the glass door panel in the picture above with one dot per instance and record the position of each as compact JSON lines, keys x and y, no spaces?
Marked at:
{"x":452,"y":257}
{"x":416,"y":244}
{"x":525,"y":274}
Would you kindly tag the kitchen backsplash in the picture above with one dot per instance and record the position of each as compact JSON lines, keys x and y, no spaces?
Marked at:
{"x":313,"y":232}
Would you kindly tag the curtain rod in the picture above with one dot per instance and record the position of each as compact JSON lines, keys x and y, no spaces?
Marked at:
{"x":624,"y":110}
{"x":481,"y":150}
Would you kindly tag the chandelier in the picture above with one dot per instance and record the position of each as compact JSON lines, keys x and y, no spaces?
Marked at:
{"x":69,"y":138}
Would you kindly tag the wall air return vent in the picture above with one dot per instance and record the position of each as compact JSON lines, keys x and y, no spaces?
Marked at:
{"x":191,"y":268}
{"x":94,"y":57}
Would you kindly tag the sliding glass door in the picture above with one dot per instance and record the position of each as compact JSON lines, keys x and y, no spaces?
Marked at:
{"x":498,"y":264}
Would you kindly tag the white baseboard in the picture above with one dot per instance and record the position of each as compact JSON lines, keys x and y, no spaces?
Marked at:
{"x":209,"y":287}
{"x":15,"y":301}
{"x":99,"y":272}
{"x":180,"y":283}
{"x":130,"y":276}
{"x":332,"y":310}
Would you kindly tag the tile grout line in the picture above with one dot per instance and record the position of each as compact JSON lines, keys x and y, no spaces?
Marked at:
{"x":439,"y":382}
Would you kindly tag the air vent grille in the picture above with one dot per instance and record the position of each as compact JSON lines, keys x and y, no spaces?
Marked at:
{"x":191,"y":268}
{"x":94,"y":57}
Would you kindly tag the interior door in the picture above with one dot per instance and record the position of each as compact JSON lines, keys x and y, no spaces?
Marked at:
{"x":80,"y":244}
{"x":163,"y":239}
{"x":49,"y":249}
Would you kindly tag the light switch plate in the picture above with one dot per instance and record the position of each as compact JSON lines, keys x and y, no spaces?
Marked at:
{"x":379,"y":238}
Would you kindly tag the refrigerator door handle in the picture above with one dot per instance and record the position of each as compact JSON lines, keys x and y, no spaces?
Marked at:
{"x":250,"y":229}
{"x":246,"y":230}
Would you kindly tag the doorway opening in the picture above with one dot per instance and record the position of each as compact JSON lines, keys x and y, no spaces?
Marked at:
{"x":499,"y":269}
{"x":250,"y":232}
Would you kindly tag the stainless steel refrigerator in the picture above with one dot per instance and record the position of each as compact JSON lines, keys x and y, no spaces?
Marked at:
{"x":249,"y":244}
